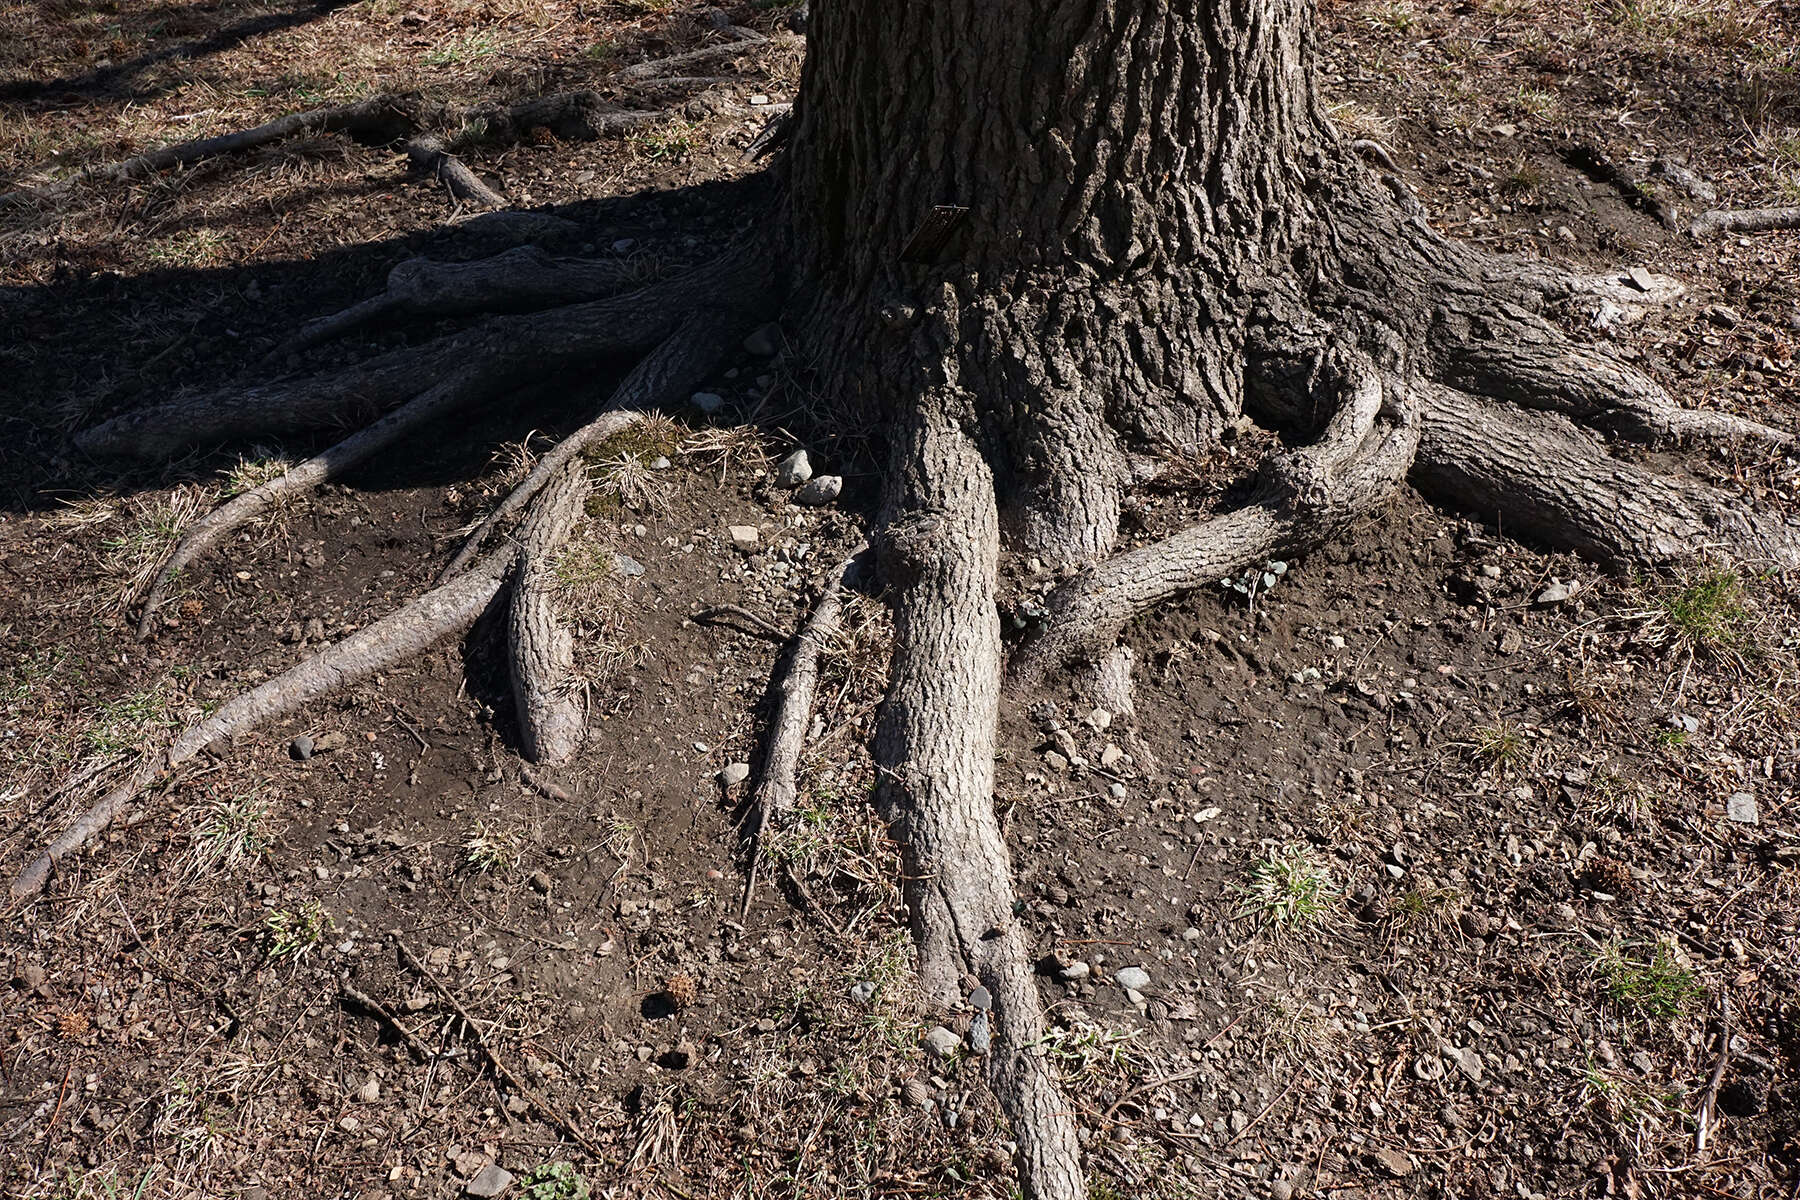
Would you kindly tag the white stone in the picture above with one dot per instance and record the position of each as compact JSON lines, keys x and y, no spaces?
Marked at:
{"x":745,"y":538}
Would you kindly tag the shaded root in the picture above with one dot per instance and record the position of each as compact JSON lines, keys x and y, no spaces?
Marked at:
{"x":1301,"y":499}
{"x":777,"y":794}
{"x":524,"y":279}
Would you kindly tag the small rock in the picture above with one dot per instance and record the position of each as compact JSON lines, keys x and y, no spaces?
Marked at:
{"x":1642,"y":1062}
{"x":744,"y":538}
{"x":493,"y":1180}
{"x":1474,"y":923}
{"x":623,"y":245}
{"x":369,"y":1092}
{"x":1393,"y":1162}
{"x":916,"y":1092}
{"x":981,"y":999}
{"x":759,"y":100}
{"x":1099,"y":718}
{"x":628,"y":566}
{"x":941,"y":1041}
{"x":1134,"y":978}
{"x":821,"y":489}
{"x":793,"y":470}
{"x":1055,"y":761}
{"x":1511,"y":641}
{"x":864,"y":992}
{"x":764,"y":342}
{"x":1741,"y":808}
{"x":1110,"y":756}
{"x":707,"y":402}
{"x":1467,"y":1061}
{"x":301,"y":748}
{"x":1558,"y":591}
{"x":1684,"y":723}
{"x":980,"y":1039}
{"x":733,"y":774}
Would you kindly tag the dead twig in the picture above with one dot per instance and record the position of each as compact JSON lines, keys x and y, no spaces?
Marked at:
{"x":762,"y":625}
{"x":1704,"y":1122}
{"x":380,"y":1011}
{"x":518,"y":1085}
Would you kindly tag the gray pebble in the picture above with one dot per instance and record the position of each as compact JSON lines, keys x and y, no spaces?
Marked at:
{"x":942,"y":1042}
{"x":301,"y":748}
{"x":794,"y":470}
{"x":1134,"y":978}
{"x":734,"y":774}
{"x":821,"y":489}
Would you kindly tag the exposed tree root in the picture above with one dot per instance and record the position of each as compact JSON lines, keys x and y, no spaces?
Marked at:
{"x":739,"y":39}
{"x":1302,"y":499}
{"x":428,"y":156}
{"x":1534,"y":366}
{"x":1548,"y":480}
{"x":1744,"y":220}
{"x":777,"y":793}
{"x":524,"y":279}
{"x":680,"y":363}
{"x":709,"y":307}
{"x":542,"y":651}
{"x":459,"y":389}
{"x":935,"y":747}
{"x":375,"y":647}
{"x":1600,"y":166}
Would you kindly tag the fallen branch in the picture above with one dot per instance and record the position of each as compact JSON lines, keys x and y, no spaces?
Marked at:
{"x":777,"y":793}
{"x":550,"y":1111}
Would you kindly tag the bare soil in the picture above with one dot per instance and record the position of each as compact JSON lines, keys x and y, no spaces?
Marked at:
{"x":1440,"y":888}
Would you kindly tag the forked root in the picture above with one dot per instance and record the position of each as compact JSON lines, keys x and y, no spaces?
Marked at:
{"x":428,"y":155}
{"x":1303,"y":498}
{"x":778,"y":793}
{"x":663,"y":376}
{"x":375,"y":647}
{"x":935,"y":748}
{"x":542,"y":651}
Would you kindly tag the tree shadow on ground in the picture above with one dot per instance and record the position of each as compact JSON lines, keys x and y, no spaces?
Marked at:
{"x":83,"y":349}
{"x":107,"y":81}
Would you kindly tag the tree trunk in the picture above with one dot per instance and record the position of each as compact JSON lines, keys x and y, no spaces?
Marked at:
{"x":1079,"y":191}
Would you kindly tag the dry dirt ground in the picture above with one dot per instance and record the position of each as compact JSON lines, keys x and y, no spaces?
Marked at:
{"x":1403,"y":880}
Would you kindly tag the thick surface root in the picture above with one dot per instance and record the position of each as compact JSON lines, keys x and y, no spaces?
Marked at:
{"x":375,"y":647}
{"x":711,"y":306}
{"x":778,"y":793}
{"x":935,"y":746}
{"x":542,"y":651}
{"x":1303,"y":498}
{"x":428,"y":156}
{"x":1544,"y":478}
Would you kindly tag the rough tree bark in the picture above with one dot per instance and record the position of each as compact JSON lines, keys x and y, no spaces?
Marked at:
{"x":1038,"y":246}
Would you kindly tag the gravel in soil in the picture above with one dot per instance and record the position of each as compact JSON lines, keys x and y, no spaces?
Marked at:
{"x":1416,"y":869}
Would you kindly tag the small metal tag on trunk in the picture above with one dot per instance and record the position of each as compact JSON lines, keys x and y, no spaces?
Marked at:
{"x":932,"y":233}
